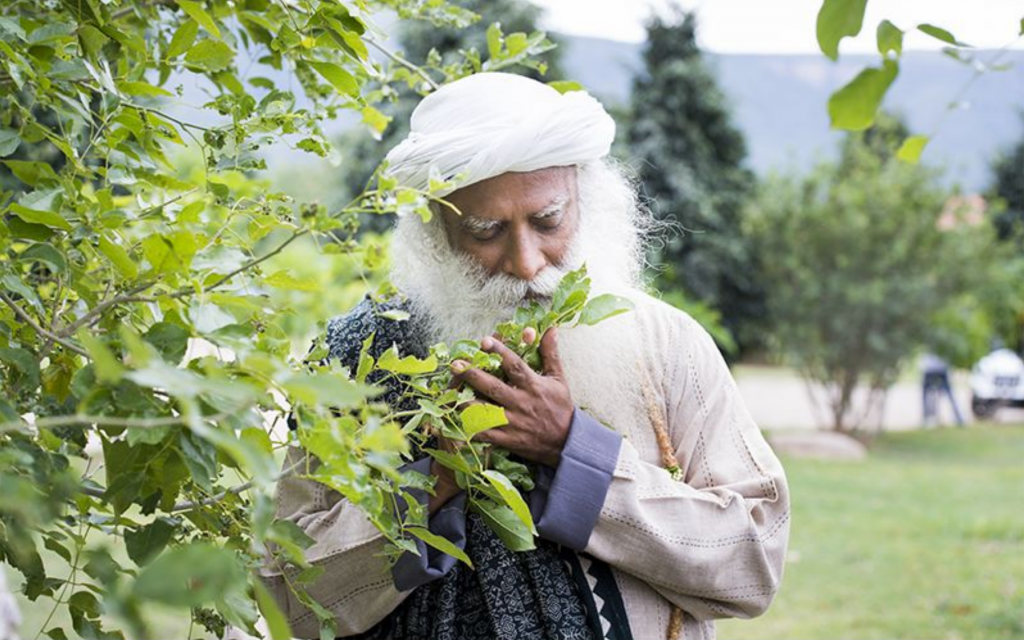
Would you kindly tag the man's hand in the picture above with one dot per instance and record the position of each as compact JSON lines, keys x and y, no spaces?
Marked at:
{"x":538,"y":406}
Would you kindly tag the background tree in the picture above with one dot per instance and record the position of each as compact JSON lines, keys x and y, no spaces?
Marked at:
{"x":1006,"y":198}
{"x":860,"y":269}
{"x":1007,"y":192}
{"x":690,"y":157}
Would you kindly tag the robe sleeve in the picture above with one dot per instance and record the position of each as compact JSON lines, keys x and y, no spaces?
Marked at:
{"x":713,"y":542}
{"x":356,"y":584}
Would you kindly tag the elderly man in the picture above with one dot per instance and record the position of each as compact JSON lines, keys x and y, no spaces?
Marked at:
{"x":658,"y":503}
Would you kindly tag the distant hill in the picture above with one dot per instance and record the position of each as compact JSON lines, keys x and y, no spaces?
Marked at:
{"x":780,"y":102}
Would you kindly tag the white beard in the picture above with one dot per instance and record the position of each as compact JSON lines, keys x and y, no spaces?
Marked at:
{"x":455,"y":299}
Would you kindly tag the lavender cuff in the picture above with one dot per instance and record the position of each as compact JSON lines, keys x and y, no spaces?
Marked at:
{"x":449,"y":521}
{"x":567,"y":501}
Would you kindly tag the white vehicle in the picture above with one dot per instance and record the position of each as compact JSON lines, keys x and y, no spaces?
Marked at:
{"x":997,"y":380}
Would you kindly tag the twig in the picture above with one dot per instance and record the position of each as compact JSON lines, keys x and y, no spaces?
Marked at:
{"x":78,"y":419}
{"x":99,"y":309}
{"x":27,"y":319}
{"x":188,"y":505}
{"x":405,"y":63}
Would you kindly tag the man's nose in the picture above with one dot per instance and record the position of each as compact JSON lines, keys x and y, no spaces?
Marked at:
{"x":524,"y":258}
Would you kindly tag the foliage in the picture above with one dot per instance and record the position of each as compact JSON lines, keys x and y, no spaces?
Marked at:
{"x":690,"y":157}
{"x":858,"y":268}
{"x":854,"y":106}
{"x":148,"y":315}
{"x":491,"y":477}
{"x":1007,"y":191}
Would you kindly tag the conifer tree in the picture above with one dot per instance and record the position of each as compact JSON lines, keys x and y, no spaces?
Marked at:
{"x":691,"y":160}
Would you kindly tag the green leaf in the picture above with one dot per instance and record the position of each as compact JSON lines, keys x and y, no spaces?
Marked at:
{"x":494,"y":40}
{"x":442,"y":544}
{"x":138,"y":88}
{"x":940,"y":34}
{"x":838,"y":19}
{"x":47,"y":254}
{"x":284,"y":280}
{"x":854,"y":106}
{"x":477,"y":418}
{"x":910,"y":150}
{"x":565,"y":86}
{"x":890,"y":38}
{"x":183,"y":39}
{"x":32,"y":172}
{"x":201,"y":459}
{"x":145,"y":543}
{"x":329,"y":389}
{"x":512,"y":497}
{"x":409,"y":365}
{"x":277,"y":624}
{"x":118,"y":257}
{"x":93,"y":40}
{"x":37,"y":216}
{"x":196,"y":12}
{"x":603,"y":307}
{"x":366,"y":361}
{"x":208,"y":318}
{"x":505,"y":524}
{"x":340,"y":79}
{"x":170,"y":340}
{"x":395,"y":314}
{"x":105,"y":364}
{"x":9,"y":141}
{"x":376,"y":120}
{"x":384,"y":438}
{"x":191,"y":576}
{"x":86,"y":603}
{"x":451,"y":461}
{"x":211,"y":55}
{"x":12,"y":283}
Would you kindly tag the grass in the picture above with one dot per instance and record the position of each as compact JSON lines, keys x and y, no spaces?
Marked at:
{"x":924,"y":539}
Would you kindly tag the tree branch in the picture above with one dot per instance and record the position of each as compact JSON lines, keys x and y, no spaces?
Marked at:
{"x":405,"y":63}
{"x":188,"y":505}
{"x":27,"y":319}
{"x":78,"y":419}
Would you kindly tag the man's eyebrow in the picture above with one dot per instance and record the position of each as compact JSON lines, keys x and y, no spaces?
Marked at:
{"x":475,"y":224}
{"x":552,"y":209}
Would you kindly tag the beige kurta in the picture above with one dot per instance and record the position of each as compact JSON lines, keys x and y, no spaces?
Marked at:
{"x":713,"y":543}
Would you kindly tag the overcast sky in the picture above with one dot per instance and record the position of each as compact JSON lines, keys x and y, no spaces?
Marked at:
{"x":788,"y":26}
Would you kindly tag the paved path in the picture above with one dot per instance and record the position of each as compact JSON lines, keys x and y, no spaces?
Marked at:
{"x":778,"y":399}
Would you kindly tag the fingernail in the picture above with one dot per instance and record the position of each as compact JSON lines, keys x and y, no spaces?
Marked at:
{"x":458,"y":366}
{"x":486,"y":343}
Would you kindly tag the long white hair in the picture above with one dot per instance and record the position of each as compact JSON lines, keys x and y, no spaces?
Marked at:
{"x":457,"y":299}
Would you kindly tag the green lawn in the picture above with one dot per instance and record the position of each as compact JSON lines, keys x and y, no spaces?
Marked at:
{"x":924,"y":539}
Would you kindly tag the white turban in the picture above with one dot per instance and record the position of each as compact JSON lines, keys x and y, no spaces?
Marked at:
{"x":488,"y":124}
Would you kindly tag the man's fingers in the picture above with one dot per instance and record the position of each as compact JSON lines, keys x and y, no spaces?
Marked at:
{"x":489,"y":386}
{"x":529,"y":335}
{"x":518,"y":372}
{"x":550,"y":359}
